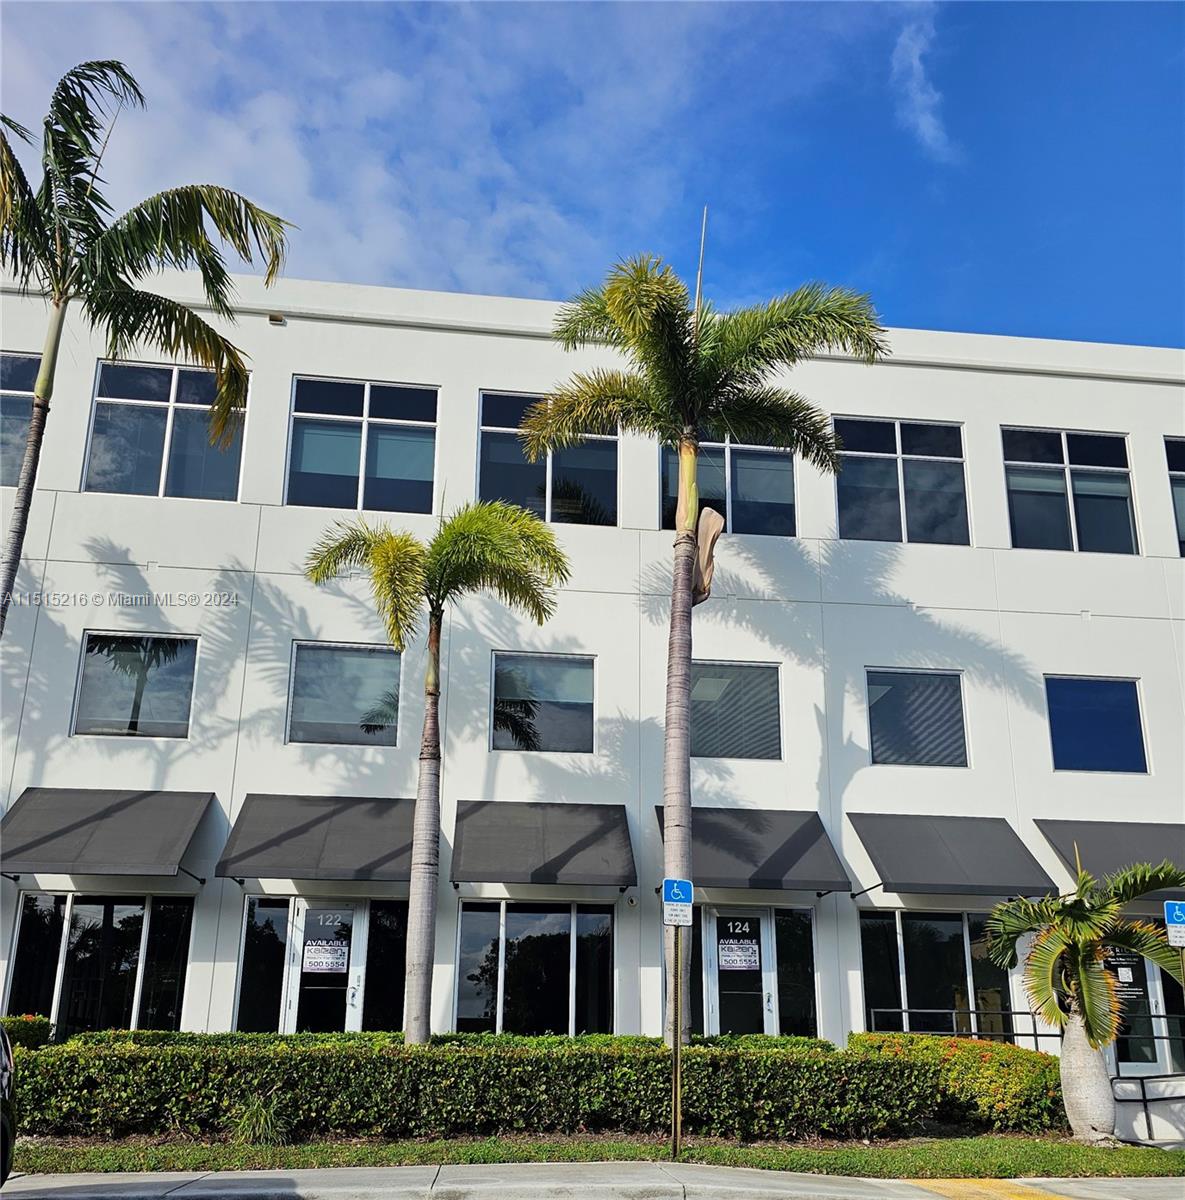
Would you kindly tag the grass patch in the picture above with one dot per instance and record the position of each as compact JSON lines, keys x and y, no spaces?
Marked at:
{"x":986,"y":1157}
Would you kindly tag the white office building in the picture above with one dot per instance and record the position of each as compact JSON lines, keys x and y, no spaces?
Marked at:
{"x":918,"y":686}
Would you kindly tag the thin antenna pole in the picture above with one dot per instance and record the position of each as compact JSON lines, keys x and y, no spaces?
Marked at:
{"x":699,"y":275}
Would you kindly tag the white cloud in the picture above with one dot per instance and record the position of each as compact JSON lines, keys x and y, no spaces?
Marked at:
{"x":919,"y":103}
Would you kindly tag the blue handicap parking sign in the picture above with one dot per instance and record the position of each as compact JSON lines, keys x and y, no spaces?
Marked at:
{"x":1174,"y":922}
{"x":676,"y":891}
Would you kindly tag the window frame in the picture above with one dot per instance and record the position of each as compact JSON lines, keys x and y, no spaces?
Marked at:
{"x":1135,"y":680}
{"x":38,"y":355}
{"x":502,"y":902}
{"x":363,"y":422}
{"x":900,"y":458}
{"x":731,"y":662}
{"x":1067,"y":468}
{"x":297,"y":642}
{"x":87,"y":632}
{"x":170,"y":406}
{"x":959,"y":674}
{"x":1174,"y":475}
{"x":591,"y":659}
{"x":483,"y":428}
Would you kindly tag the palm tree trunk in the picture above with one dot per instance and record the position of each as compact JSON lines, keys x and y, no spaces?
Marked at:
{"x":425,"y":858}
{"x":676,"y":767}
{"x":138,"y":699}
{"x":42,"y":392}
{"x":1086,"y":1085}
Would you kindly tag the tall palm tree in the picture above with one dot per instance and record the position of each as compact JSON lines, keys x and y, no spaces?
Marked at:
{"x":691,"y":373}
{"x":1067,"y":979}
{"x":63,"y":243}
{"x":491,"y":547}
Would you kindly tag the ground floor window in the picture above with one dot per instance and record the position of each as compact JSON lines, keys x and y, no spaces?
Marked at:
{"x":535,"y":968}
{"x":347,"y":975}
{"x":101,"y":962}
{"x":929,"y":973}
{"x":1152,"y":1032}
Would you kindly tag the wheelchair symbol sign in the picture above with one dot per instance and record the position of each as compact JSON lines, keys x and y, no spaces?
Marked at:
{"x":1174,"y":922}
{"x":676,"y":901}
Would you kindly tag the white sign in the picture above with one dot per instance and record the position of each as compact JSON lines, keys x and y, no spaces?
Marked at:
{"x":1174,"y":922}
{"x":738,"y":954}
{"x":676,"y":901}
{"x":325,"y":955}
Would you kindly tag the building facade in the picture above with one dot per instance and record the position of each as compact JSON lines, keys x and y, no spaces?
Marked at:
{"x":919,"y":686}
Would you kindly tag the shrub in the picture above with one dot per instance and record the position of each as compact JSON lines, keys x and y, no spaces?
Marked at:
{"x":368,"y":1087}
{"x":993,"y":1085}
{"x":28,"y":1030}
{"x":259,"y":1124}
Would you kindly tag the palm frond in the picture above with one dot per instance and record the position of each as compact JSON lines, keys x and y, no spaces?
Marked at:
{"x":774,"y":416}
{"x":1097,"y":998}
{"x":26,"y":249}
{"x":585,"y":320}
{"x":132,"y":318}
{"x":1139,"y":880}
{"x":1148,"y":940}
{"x":1043,"y":975}
{"x":1009,"y":922}
{"x":78,"y":104}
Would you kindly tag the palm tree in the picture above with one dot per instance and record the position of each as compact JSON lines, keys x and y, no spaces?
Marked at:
{"x":692,"y":373}
{"x":1067,"y":979}
{"x":61,"y":242}
{"x":490,"y":547}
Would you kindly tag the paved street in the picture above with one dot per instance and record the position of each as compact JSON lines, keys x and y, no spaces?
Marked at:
{"x":546,"y":1181}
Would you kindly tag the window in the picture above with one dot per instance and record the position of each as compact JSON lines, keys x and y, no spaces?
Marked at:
{"x":574,"y":486}
{"x":542,"y":702}
{"x":1094,"y":724}
{"x":890,"y":467}
{"x":1174,"y":449}
{"x":916,"y":718}
{"x":261,"y":976}
{"x":109,"y":959}
{"x":881,"y":971}
{"x":1046,"y":469}
{"x":135,"y":686}
{"x":362,"y":445}
{"x":151,"y":435}
{"x":18,"y":374}
{"x":734,"y":711}
{"x":386,"y":960}
{"x":751,"y":487}
{"x":535,"y":968}
{"x":796,"y":972}
{"x":344,"y":695}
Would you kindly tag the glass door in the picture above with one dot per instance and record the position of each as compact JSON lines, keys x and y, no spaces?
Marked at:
{"x":1141,"y":1048}
{"x":325,"y":973}
{"x":742,"y":972}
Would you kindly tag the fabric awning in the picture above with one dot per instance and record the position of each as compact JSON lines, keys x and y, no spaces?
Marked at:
{"x":320,"y":837}
{"x":99,"y":831}
{"x":964,"y":856}
{"x":763,"y":848}
{"x":499,"y":841}
{"x":1109,"y":846}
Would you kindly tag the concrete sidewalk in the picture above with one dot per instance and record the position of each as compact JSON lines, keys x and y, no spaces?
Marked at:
{"x":566,"y":1181}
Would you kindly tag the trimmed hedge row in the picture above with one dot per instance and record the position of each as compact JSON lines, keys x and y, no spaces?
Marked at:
{"x":28,"y":1030}
{"x":992,"y":1085}
{"x":373,"y":1088}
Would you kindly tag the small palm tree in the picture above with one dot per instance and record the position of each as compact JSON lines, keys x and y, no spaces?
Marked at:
{"x":691,"y":373}
{"x":61,"y":242}
{"x":1067,"y":979}
{"x":491,"y":547}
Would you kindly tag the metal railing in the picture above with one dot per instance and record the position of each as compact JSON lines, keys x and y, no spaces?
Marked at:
{"x":987,"y":1024}
{"x":1143,"y":1099}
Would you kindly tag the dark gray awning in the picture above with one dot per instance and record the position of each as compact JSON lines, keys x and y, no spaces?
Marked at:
{"x":1109,"y":846}
{"x":964,"y":856}
{"x":763,"y":848}
{"x":97,"y":831}
{"x":320,"y":837}
{"x":499,"y":841}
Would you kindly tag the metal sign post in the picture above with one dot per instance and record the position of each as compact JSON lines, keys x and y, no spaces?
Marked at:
{"x":677,"y":912}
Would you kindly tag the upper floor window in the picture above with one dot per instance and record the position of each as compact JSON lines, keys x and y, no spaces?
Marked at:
{"x":136,"y":686}
{"x":362,"y":445}
{"x":573,"y":486}
{"x":1094,"y":724}
{"x":344,"y":695}
{"x":543,"y":702}
{"x":892,"y":467}
{"x":18,"y":374}
{"x":151,"y":435}
{"x":751,"y":487}
{"x":734,"y":710}
{"x":1174,"y":449}
{"x":916,"y":718}
{"x":1045,"y":467}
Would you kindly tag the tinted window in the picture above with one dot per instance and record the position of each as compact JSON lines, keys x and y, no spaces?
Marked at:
{"x":867,"y":437}
{"x":1095,"y":725}
{"x":935,"y":502}
{"x":18,"y":372}
{"x":505,"y":473}
{"x":934,"y":441}
{"x":1033,"y":445}
{"x":324,"y":468}
{"x":165,"y":957}
{"x":329,"y":397}
{"x":1096,"y":450}
{"x":402,"y":403}
{"x":196,"y":387}
{"x":505,"y":412}
{"x":538,"y":968}
{"x":594,"y":969}
{"x":1037,"y":509}
{"x":880,"y":971}
{"x":709,"y":477}
{"x":762,"y":492}
{"x":796,"y":973}
{"x":127,"y":444}
{"x":196,"y":468}
{"x":399,"y":460}
{"x":543,"y":703}
{"x":136,"y":686}
{"x":1174,"y":449}
{"x":261,"y":976}
{"x":386,"y":957}
{"x":1103,"y":512}
{"x":584,"y":483}
{"x":35,"y":963}
{"x":734,"y":711}
{"x":135,"y":383}
{"x":1178,"y":488}
{"x":936,"y":972}
{"x":102,"y":955}
{"x":344,"y":695}
{"x":477,"y":968}
{"x":916,"y":719}
{"x":869,"y":504}
{"x":15,"y":412}
{"x":992,"y":998}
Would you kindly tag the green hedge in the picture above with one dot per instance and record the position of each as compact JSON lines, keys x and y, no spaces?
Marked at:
{"x":27,"y":1030}
{"x":367,"y":1087}
{"x":992,"y":1085}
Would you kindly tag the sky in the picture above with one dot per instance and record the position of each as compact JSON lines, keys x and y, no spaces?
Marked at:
{"x":998,"y":167}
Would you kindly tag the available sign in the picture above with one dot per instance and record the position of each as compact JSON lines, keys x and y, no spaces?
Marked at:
{"x":325,"y":956}
{"x":1174,"y":922}
{"x":738,"y":954}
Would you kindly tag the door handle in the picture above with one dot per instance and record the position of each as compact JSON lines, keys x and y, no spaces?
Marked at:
{"x":769,"y":1002}
{"x":353,"y":996}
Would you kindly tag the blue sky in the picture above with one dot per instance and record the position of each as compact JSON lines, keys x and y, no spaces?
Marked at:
{"x":1004,"y":168}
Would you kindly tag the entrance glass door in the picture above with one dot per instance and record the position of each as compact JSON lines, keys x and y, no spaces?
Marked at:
{"x":325,"y":982}
{"x":742,"y":972}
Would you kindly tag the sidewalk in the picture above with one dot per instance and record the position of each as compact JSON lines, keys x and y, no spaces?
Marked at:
{"x":560,"y":1181}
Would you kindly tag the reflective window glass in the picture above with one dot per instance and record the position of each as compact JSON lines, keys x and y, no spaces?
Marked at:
{"x":165,"y":959}
{"x":127,"y":445}
{"x":869,"y":502}
{"x":993,"y":1000}
{"x":15,"y":412}
{"x":261,"y":974}
{"x":136,"y":686}
{"x":584,"y":483}
{"x":734,"y":711}
{"x":1174,"y":451}
{"x":916,"y":719}
{"x":102,"y":957}
{"x":866,"y":437}
{"x":18,"y":372}
{"x":504,"y":412}
{"x":1095,"y":724}
{"x":386,"y":957}
{"x":935,"y":502}
{"x":402,"y":403}
{"x":323,"y":471}
{"x":543,"y":702}
{"x":709,"y":478}
{"x":344,"y":695}
{"x":35,"y":962}
{"x":505,"y":474}
{"x":796,"y":973}
{"x":1033,"y":446}
{"x":1037,"y":509}
{"x":936,"y":973}
{"x":197,"y":387}
{"x":1178,"y":489}
{"x":399,"y":462}
{"x":198,"y":469}
{"x":762,"y":492}
{"x":931,"y":441}
{"x":538,"y":953}
{"x":477,"y":968}
{"x":594,"y":968}
{"x":880,"y":971}
{"x":1103,"y":512}
{"x":126,"y":382}
{"x":1096,"y":450}
{"x":329,"y":397}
